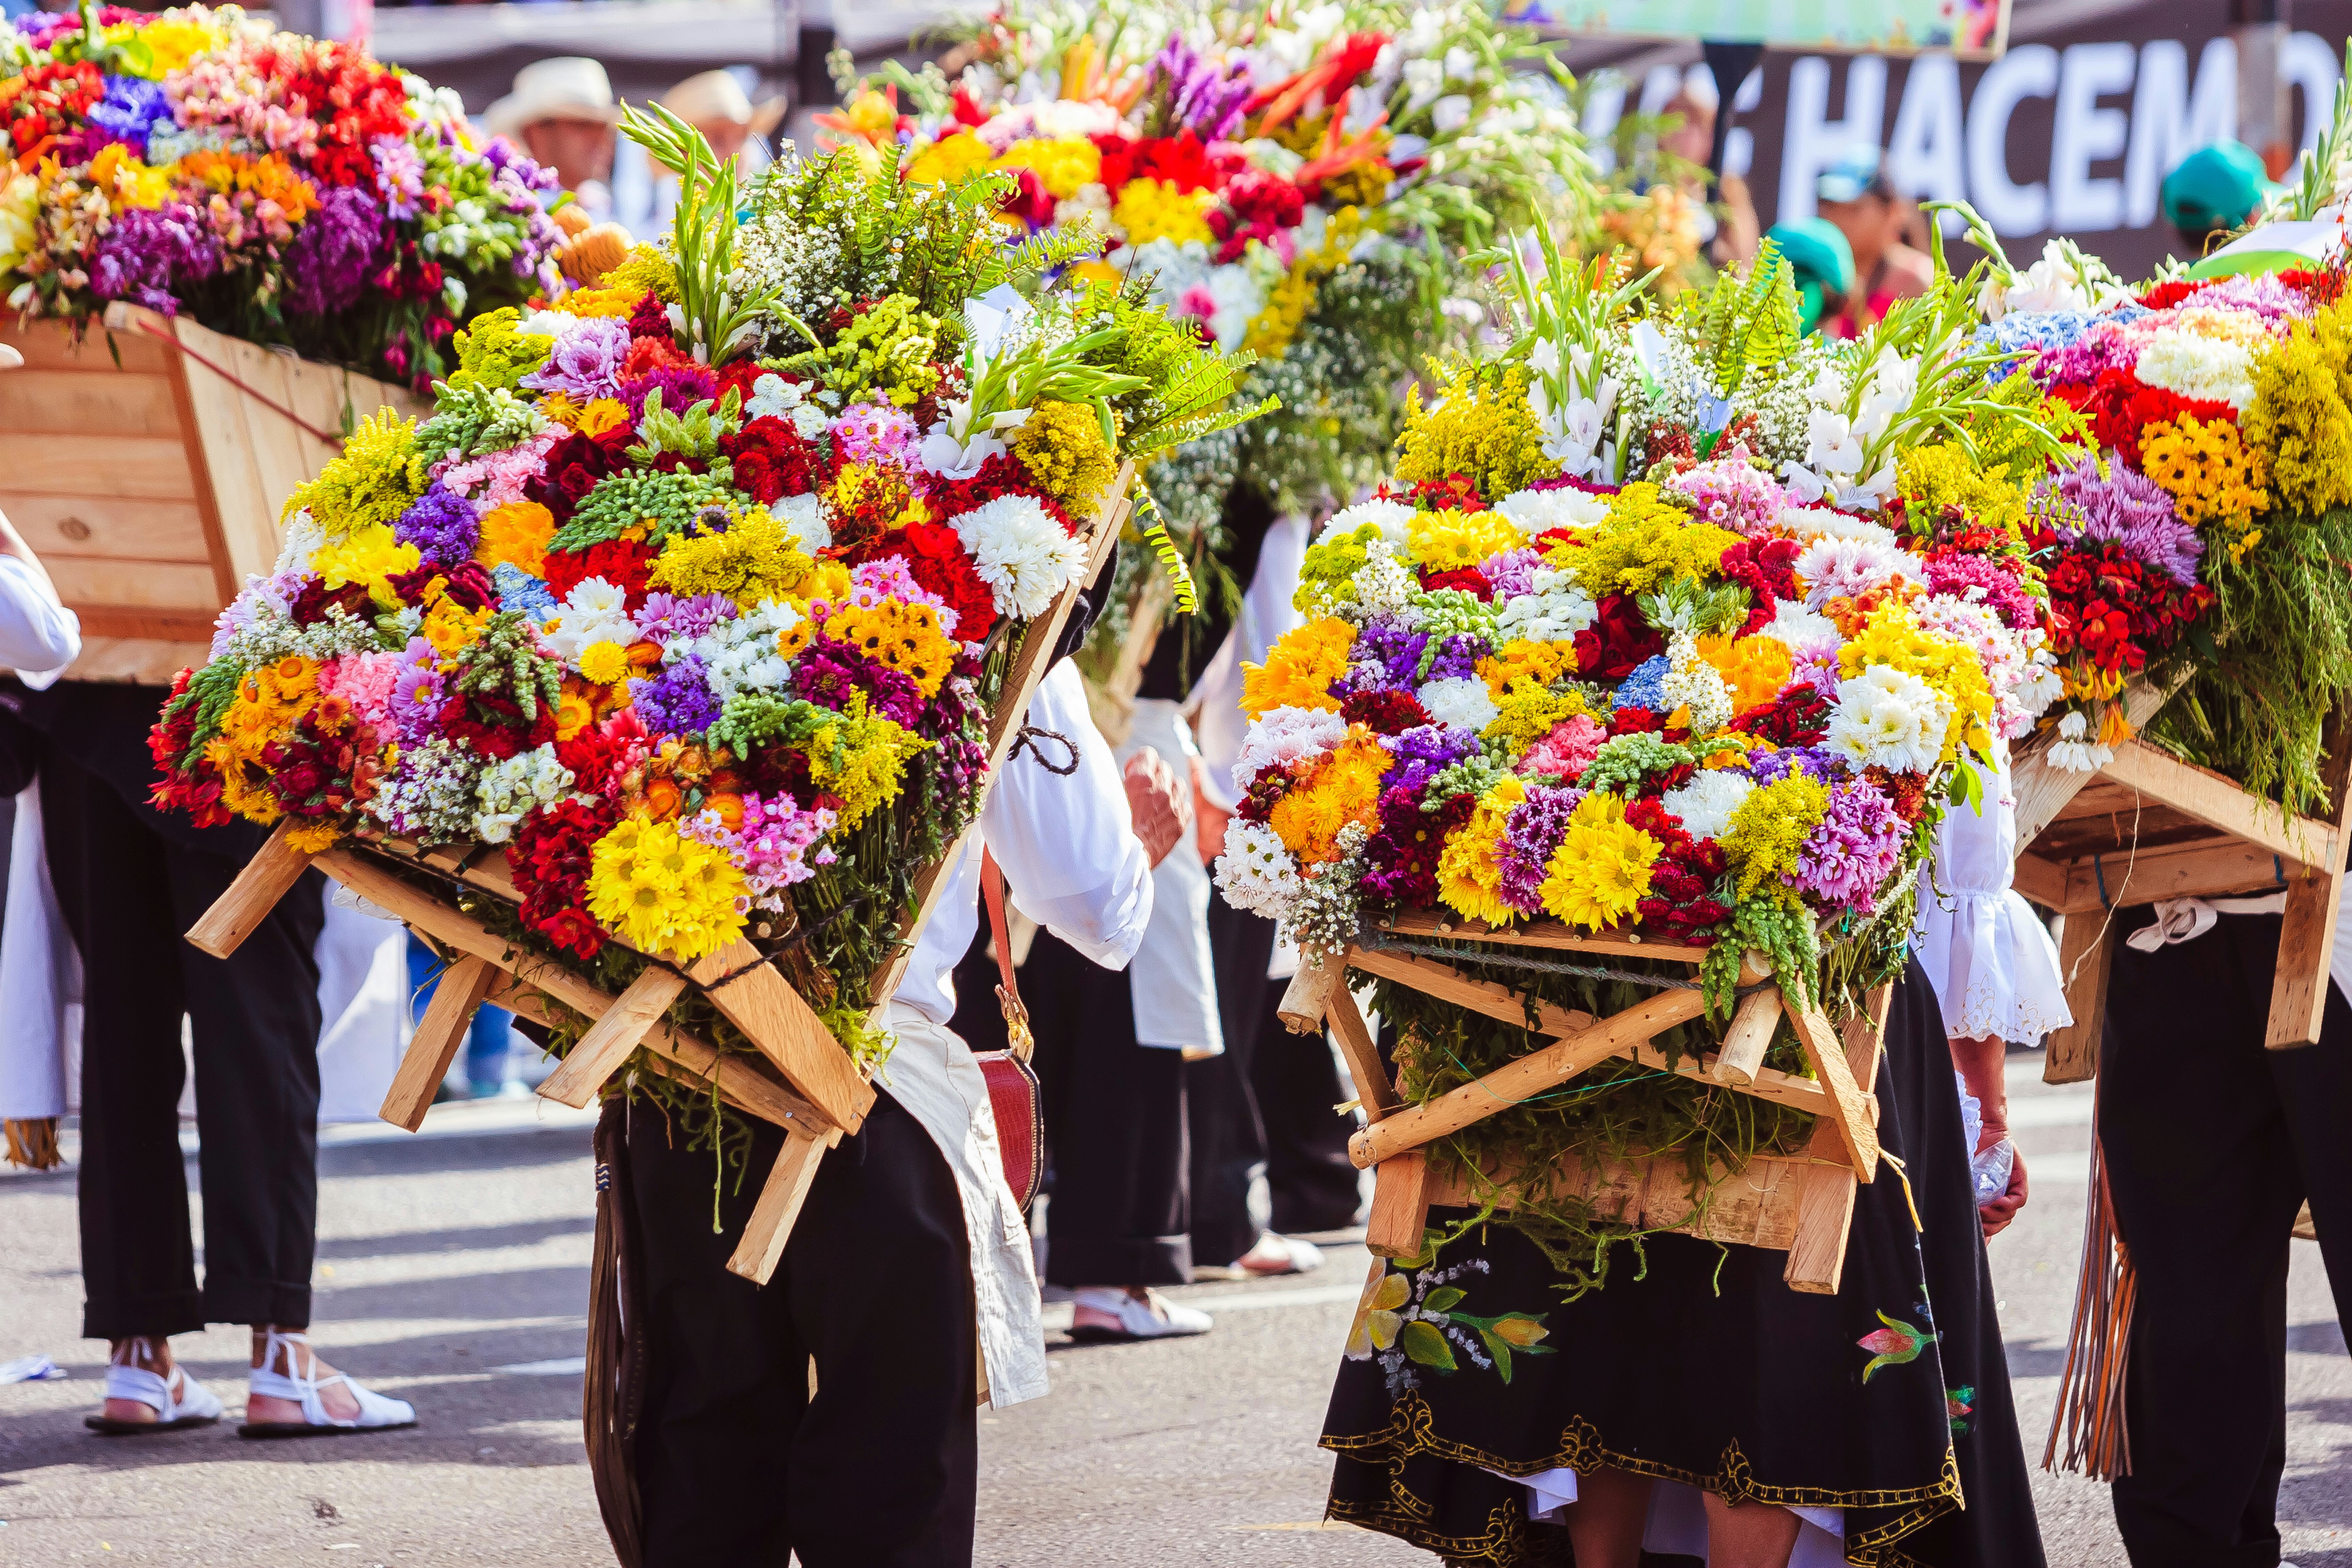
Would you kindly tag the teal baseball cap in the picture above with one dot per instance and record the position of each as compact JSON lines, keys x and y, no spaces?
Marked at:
{"x":2215,"y":188}
{"x":1823,"y":261}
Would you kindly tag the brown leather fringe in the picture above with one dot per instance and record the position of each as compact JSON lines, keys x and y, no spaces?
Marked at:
{"x":33,"y":1142}
{"x":612,"y":1392}
{"x":2098,"y":1347}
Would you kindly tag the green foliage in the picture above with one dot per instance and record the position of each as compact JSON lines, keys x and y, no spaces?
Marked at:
{"x":1185,"y":390}
{"x":665,"y":502}
{"x":471,"y":419}
{"x":1752,"y":322}
{"x":696,"y":434}
{"x":492,"y":352}
{"x":720,"y":322}
{"x":505,"y":660}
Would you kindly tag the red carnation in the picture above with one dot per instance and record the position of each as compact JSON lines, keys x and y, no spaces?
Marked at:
{"x":1617,"y":642}
{"x":772,"y":459}
{"x":623,"y":563}
{"x":935,"y":558}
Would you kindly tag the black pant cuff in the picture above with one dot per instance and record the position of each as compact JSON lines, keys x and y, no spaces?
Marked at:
{"x":272,"y":1301}
{"x":1088,"y":1260}
{"x":143,"y":1317}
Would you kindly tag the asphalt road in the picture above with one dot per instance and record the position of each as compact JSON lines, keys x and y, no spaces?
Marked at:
{"x":453,"y":1270}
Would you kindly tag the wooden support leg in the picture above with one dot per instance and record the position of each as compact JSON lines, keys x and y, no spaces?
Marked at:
{"x":761,"y":1003}
{"x":246,"y":902}
{"x":2307,"y":940}
{"x":2086,"y":950}
{"x":1750,"y":1032}
{"x":771,"y":1224}
{"x":611,"y":1038}
{"x":434,"y":1045}
{"x":1825,"y":1199}
{"x":1849,"y":1110}
{"x":1399,"y":1205}
{"x":1373,"y":1089}
{"x":1309,"y":992}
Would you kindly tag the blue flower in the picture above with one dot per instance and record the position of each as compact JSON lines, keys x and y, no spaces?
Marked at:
{"x":1645,"y":688}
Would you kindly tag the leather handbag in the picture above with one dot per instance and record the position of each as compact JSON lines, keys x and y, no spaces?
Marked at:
{"x":1013,"y":1088}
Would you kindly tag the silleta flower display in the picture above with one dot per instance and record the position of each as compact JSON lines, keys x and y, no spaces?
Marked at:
{"x":695,"y":591}
{"x":1724,"y":701}
{"x":279,"y":188}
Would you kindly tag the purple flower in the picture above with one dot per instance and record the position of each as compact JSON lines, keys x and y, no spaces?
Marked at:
{"x":586,"y":360}
{"x":828,"y":672}
{"x":1815,"y":762}
{"x":1512,"y":572}
{"x":678,"y":701}
{"x":1424,"y":752}
{"x":681,"y":386}
{"x":334,"y":254}
{"x":668,"y":618}
{"x":2133,"y":511}
{"x":417,"y":694}
{"x":1530,"y":833}
{"x":1853,"y":849}
{"x":1457,"y":659}
{"x":148,"y":255}
{"x":443,"y":525}
{"x":1386,"y":657}
{"x":2001,"y":592}
{"x":1200,"y":97}
{"x":127,"y":114}
{"x":399,"y":176}
{"x":2103,"y":346}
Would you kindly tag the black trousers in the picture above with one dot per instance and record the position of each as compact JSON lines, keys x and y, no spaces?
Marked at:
{"x":739,"y":1462}
{"x":2212,"y":1143}
{"x":128,"y":892}
{"x":1115,"y":1131}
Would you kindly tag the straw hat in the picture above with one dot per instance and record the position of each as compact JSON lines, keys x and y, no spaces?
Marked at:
{"x":568,"y":87}
{"x":716,"y":95}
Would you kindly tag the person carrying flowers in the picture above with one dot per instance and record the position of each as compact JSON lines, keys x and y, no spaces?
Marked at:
{"x":1677,"y":621}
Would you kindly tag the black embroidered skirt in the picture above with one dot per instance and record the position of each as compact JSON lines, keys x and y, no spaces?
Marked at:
{"x":1889,"y":1401}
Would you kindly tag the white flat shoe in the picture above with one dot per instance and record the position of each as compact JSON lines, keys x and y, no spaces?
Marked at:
{"x":1274,"y":1255}
{"x":1154,"y":1317}
{"x":179,"y":1401}
{"x":378,"y":1413}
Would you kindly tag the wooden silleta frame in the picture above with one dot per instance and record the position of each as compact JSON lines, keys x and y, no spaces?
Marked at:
{"x":799,"y":1079}
{"x":1802,"y":1204}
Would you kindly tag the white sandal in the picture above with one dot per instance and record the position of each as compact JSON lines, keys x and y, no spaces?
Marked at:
{"x":179,"y":1401}
{"x":377,"y":1413}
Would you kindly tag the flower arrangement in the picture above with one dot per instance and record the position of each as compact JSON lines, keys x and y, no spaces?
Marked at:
{"x":695,"y":592}
{"x":2201,"y":536}
{"x":1299,"y":180}
{"x":279,"y":188}
{"x":1669,"y":623}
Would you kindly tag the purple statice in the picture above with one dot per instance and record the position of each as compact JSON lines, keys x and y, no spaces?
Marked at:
{"x":399,"y":176}
{"x":1512,"y":572}
{"x":670,"y":617}
{"x":1425,"y":751}
{"x":335,"y":252}
{"x":126,"y":115}
{"x":1456,"y":658}
{"x":681,"y":387}
{"x":519,"y":590}
{"x":149,"y":254}
{"x":678,"y":701}
{"x":1853,"y":849}
{"x":1814,"y":761}
{"x":2135,"y":511}
{"x":2103,"y":346}
{"x":443,"y":525}
{"x":1982,"y":580}
{"x":1530,"y":833}
{"x":415,"y":699}
{"x":1201,"y":97}
{"x":1386,"y":657}
{"x":872,"y":432}
{"x":585,"y":363}
{"x":509,"y":162}
{"x":1645,"y":688}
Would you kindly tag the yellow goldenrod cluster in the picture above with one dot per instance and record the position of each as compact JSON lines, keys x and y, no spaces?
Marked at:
{"x":372,"y":481}
{"x":1160,"y":209}
{"x":1061,"y":445}
{"x":2299,"y":415}
{"x":754,"y":559}
{"x":861,"y":757}
{"x":1481,"y":430}
{"x":1644,"y":541}
{"x":1769,"y":828}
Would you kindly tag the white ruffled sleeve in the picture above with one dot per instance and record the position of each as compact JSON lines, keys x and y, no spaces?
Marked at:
{"x":1993,"y":963}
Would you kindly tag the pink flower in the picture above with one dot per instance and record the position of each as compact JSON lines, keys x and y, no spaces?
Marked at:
{"x":1565,"y":752}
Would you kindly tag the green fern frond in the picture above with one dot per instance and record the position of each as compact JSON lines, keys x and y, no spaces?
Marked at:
{"x":1163,"y":545}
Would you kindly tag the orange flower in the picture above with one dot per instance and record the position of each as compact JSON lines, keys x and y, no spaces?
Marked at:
{"x":730,"y":808}
{"x":661,"y":799}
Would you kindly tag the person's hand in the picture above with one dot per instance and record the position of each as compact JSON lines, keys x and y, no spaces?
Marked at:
{"x":1158,"y":808}
{"x":1208,"y":821}
{"x":1998,"y":1213}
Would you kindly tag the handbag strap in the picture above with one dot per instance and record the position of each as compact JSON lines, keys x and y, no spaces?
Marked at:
{"x":1017,"y":1037}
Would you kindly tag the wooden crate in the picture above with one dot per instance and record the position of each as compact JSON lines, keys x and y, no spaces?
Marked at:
{"x":1801,"y":1204}
{"x":2148,"y":828}
{"x":797,"y":1077}
{"x":146,"y":465}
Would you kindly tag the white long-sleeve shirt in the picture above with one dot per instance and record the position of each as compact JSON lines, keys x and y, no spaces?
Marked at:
{"x":1070,"y":856}
{"x":38,"y":636}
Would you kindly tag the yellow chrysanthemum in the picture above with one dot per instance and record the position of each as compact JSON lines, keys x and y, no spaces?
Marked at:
{"x":1157,"y":209}
{"x":2211,"y":474}
{"x":1343,"y":786}
{"x":950,"y":161}
{"x":451,"y":627}
{"x":1890,"y":637}
{"x":606,"y":301}
{"x":1443,"y":541}
{"x":314,"y":838}
{"x":905,"y":637}
{"x":128,"y":182}
{"x":601,"y":415}
{"x":518,"y":532}
{"x":1754,"y":668}
{"x":1541,"y":662}
{"x":367,"y":556}
{"x":1469,"y":870}
{"x":1601,"y":870}
{"x":603,"y":662}
{"x":1299,"y":669}
{"x":663,"y":893}
{"x":1063,"y":164}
